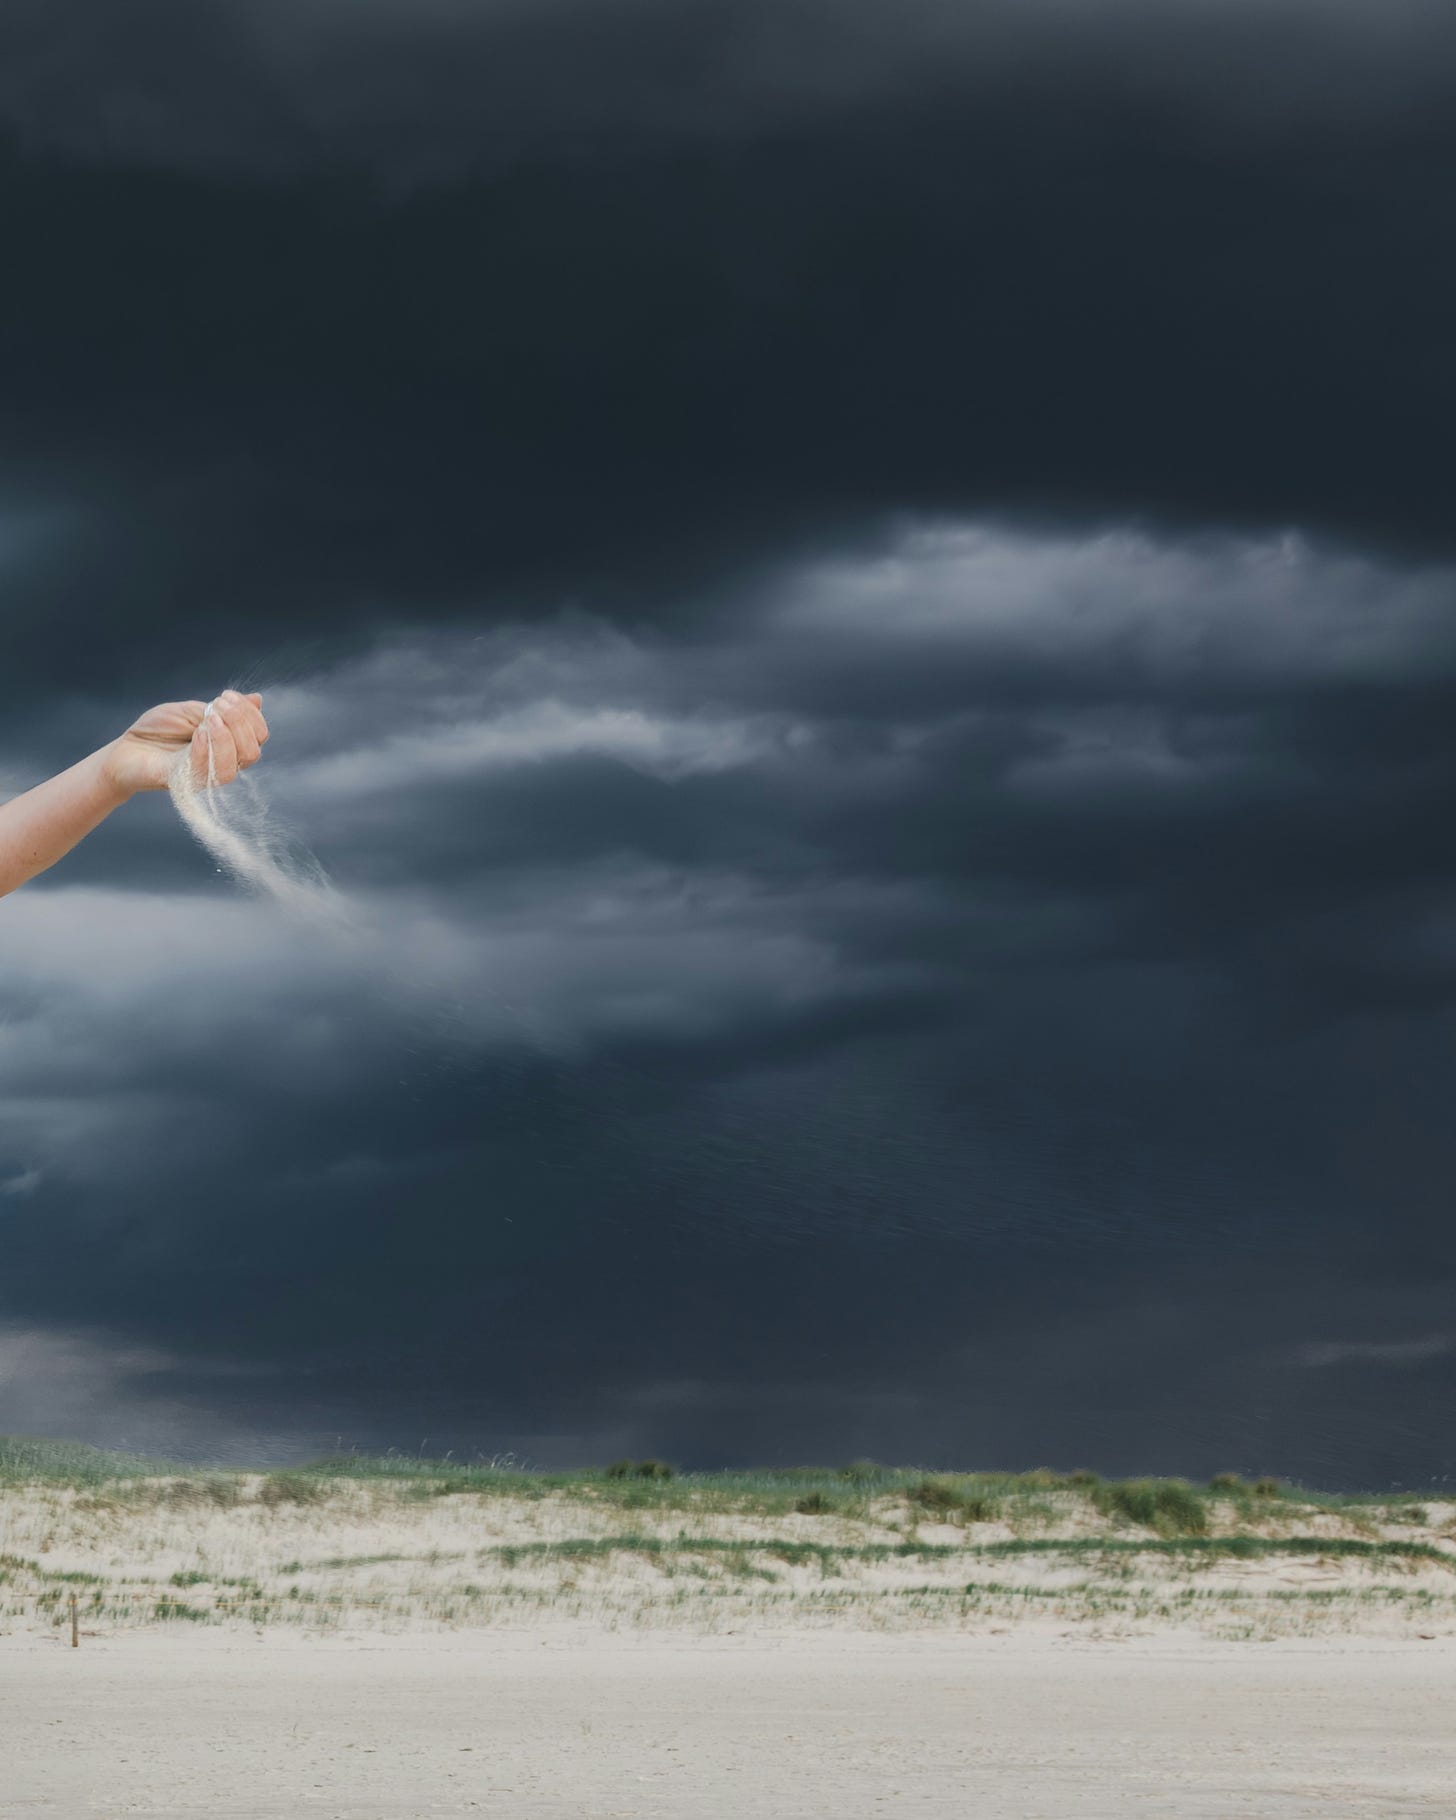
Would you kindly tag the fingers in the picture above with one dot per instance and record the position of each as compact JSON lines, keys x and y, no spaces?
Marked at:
{"x":222,"y":760}
{"x":240,"y":718}
{"x":200,"y":744}
{"x":250,"y":708}
{"x":228,"y":735}
{"x":238,"y":731}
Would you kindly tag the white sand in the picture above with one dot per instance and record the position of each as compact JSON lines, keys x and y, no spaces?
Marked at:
{"x":368,"y":1653}
{"x":578,"y":1723}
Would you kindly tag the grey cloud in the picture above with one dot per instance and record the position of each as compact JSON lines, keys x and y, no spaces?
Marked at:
{"x":263,"y":86}
{"x":1065,"y":733}
{"x":1321,"y":1353}
{"x":92,"y":1386}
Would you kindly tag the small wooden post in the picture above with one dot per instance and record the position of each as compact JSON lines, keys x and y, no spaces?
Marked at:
{"x":75,"y":1625}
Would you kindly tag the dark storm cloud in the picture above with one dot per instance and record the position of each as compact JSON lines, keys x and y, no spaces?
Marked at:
{"x":316,"y":319}
{"x":718,"y":1029}
{"x":412,"y":84}
{"x":862,"y":601}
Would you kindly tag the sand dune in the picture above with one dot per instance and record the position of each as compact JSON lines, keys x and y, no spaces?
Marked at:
{"x":259,"y":1552}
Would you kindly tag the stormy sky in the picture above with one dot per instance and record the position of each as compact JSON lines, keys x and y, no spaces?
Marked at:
{"x":860,"y":601}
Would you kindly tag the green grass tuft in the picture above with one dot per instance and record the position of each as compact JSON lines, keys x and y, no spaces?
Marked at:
{"x":944,"y":1497}
{"x":815,"y":1504}
{"x":178,"y":1608}
{"x":866,"y":1473}
{"x":1170,"y":1506}
{"x":937,"y":1495}
{"x":280,"y":1488}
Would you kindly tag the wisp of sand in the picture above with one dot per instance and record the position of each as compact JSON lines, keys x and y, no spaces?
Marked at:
{"x":233,"y":825}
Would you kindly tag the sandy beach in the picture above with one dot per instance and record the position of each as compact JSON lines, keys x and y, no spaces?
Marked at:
{"x":1027,"y":1726}
{"x":1016,"y":1648}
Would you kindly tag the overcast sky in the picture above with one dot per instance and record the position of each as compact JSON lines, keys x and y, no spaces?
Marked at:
{"x":860,"y":600}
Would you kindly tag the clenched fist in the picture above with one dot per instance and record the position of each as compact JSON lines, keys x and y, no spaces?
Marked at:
{"x":233,"y":726}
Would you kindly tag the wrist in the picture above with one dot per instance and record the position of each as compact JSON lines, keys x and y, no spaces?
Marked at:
{"x":112,"y":773}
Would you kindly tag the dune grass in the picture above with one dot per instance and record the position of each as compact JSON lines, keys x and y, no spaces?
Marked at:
{"x":1233,"y":1547}
{"x":862,"y":1492}
{"x":399,"y":1540}
{"x":1164,"y":1506}
{"x":28,"y":1460}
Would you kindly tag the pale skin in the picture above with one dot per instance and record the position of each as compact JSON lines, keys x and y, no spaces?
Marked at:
{"x":43,"y":825}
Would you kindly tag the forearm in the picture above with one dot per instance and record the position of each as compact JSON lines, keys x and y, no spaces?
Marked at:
{"x":42,"y":826}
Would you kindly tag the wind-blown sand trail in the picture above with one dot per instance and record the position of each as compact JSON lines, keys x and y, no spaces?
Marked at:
{"x":386,"y":1641}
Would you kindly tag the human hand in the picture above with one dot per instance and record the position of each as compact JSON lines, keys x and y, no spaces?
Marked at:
{"x":143,"y":757}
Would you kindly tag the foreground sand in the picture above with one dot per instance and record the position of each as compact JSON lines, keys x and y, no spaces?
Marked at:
{"x":1032,"y":1725}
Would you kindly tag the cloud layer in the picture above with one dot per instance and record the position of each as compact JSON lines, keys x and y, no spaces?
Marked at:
{"x":454,"y":312}
{"x":955,"y":939}
{"x":860,"y":600}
